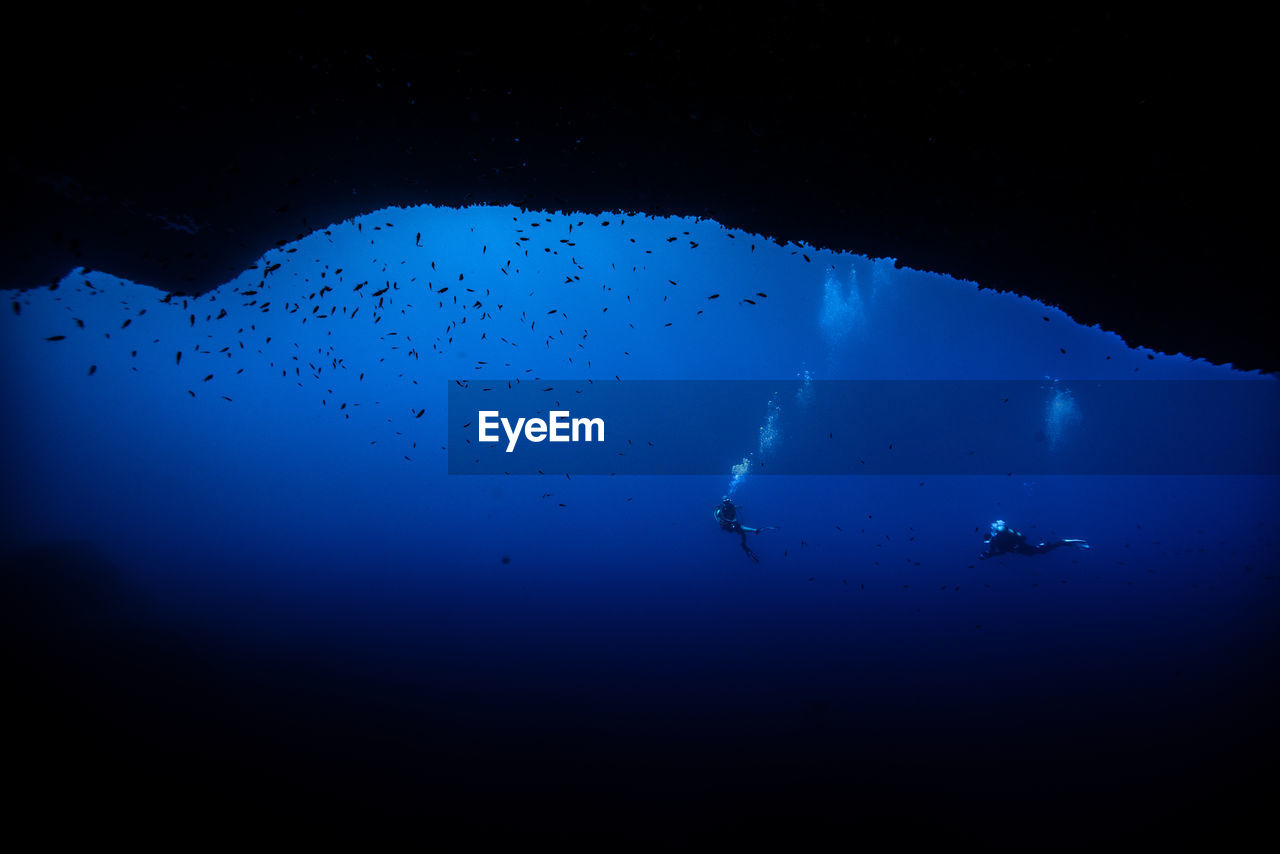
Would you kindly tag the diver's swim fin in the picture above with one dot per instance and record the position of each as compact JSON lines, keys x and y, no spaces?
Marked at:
{"x":1080,"y":544}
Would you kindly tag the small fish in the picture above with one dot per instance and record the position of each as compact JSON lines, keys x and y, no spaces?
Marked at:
{"x":56,"y":338}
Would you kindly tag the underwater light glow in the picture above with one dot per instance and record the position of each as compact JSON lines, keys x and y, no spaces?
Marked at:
{"x":275,"y":469}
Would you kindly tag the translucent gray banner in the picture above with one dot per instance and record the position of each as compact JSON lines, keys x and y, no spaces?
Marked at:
{"x":863,"y":427}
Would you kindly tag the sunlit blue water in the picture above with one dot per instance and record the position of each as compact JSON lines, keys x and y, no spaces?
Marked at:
{"x":275,"y":493}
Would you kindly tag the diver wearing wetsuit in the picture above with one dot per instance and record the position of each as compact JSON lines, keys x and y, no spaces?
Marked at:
{"x":727,"y":517}
{"x":1003,"y":540}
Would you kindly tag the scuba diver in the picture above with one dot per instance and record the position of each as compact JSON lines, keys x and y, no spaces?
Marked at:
{"x":1003,"y":540}
{"x":727,"y":516}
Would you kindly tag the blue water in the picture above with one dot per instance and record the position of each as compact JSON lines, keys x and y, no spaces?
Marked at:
{"x":275,"y":509}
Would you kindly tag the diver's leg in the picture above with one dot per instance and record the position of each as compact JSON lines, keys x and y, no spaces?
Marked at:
{"x":1056,"y":544}
{"x":747,"y":548}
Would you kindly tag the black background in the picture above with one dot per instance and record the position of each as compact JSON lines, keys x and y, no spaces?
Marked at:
{"x":1105,"y":162}
{"x":1113,"y":164}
